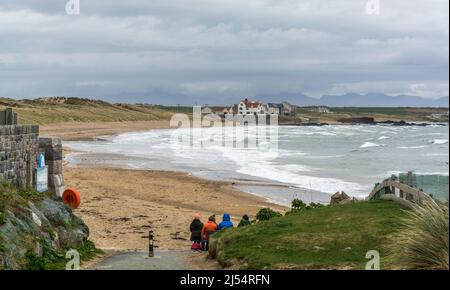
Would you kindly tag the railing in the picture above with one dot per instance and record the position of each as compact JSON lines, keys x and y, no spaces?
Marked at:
{"x":388,"y":187}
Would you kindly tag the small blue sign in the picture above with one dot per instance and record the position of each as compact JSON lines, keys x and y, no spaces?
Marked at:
{"x":42,"y":179}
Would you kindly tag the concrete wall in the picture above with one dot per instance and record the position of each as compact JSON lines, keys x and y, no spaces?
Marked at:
{"x":18,"y":149}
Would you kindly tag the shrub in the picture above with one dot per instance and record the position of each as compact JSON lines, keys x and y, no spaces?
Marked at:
{"x":316,"y":205}
{"x":298,"y":205}
{"x":423,"y":242}
{"x":49,"y":260}
{"x":266,"y":214}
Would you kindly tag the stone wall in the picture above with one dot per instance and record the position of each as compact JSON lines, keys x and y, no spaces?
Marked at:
{"x":18,"y":149}
{"x":8,"y":117}
{"x":52,"y":150}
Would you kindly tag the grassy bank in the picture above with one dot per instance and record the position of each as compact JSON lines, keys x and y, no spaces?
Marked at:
{"x":325,"y":238}
{"x":53,"y":110}
{"x":61,"y":110}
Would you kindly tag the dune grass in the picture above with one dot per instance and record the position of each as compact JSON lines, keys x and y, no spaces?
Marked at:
{"x":335,"y":237}
{"x":423,"y":242}
{"x":48,"y":111}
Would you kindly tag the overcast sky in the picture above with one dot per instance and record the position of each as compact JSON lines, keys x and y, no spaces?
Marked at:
{"x":215,"y":51}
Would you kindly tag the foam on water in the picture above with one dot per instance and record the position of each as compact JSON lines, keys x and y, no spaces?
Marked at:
{"x":413,"y":147}
{"x":370,"y":144}
{"x":440,"y":141}
{"x":325,"y":159}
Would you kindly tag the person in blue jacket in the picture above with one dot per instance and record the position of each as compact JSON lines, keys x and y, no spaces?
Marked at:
{"x":226,"y":222}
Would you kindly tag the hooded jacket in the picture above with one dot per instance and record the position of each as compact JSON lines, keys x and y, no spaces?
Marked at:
{"x":226,"y":222}
{"x":196,"y":230}
{"x":208,"y":229}
{"x":245,"y":221}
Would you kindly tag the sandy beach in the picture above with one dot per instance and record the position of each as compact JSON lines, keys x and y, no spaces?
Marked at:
{"x":120,"y":206}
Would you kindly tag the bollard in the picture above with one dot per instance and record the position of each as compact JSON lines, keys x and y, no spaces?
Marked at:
{"x":151,"y":246}
{"x":151,"y":253}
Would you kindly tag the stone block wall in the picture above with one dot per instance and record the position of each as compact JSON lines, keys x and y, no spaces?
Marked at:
{"x":52,"y":150}
{"x":8,"y":117}
{"x":18,"y":149}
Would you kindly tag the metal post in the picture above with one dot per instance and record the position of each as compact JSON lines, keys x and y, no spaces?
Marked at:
{"x":151,"y":245}
{"x":151,"y":253}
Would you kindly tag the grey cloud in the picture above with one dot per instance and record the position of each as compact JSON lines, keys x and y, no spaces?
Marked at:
{"x":211,"y":50}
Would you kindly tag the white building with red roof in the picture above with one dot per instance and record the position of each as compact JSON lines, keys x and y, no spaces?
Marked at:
{"x":247,"y":107}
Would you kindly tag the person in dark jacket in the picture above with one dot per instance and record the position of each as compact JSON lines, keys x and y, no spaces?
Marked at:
{"x":226,"y":222}
{"x":196,"y":229}
{"x":245,"y":221}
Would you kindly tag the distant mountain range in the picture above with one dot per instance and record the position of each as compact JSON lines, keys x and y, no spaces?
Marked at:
{"x":160,"y":97}
{"x":355,"y":100}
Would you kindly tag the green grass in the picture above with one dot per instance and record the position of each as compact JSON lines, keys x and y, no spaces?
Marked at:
{"x":326,"y":238}
{"x":52,"y":260}
{"x":176,"y":109}
{"x":11,"y":196}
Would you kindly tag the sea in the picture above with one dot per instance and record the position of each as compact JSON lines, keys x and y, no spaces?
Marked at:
{"x":306,"y":162}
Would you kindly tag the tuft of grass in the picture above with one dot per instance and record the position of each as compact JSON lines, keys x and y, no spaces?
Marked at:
{"x":50,"y":260}
{"x":53,"y":260}
{"x":11,"y":196}
{"x":322,"y":238}
{"x":88,"y":251}
{"x":423,"y":242}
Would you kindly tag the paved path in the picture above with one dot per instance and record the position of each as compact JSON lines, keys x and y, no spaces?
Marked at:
{"x":163,"y":260}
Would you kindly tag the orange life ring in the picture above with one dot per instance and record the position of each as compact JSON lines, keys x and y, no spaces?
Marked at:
{"x":71,"y":197}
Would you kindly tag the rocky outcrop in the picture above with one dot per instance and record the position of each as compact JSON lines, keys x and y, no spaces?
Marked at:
{"x":36,"y":226}
{"x":358,"y":120}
